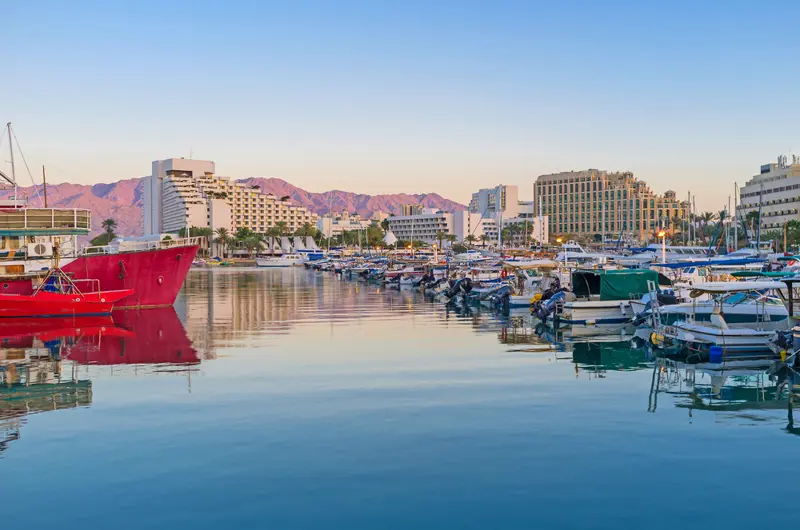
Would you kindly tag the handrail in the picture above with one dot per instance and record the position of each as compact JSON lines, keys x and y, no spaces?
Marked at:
{"x":137,"y":246}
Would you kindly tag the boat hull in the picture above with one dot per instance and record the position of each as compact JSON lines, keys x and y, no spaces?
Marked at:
{"x":156,"y":276}
{"x":57,"y":305}
{"x":596,"y":313}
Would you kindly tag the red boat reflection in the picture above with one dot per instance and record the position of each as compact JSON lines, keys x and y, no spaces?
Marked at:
{"x":153,"y":336}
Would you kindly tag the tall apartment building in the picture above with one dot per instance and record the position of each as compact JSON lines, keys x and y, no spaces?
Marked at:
{"x":594,"y":203}
{"x":777,"y":189}
{"x":186,"y":193}
{"x":494,"y":202}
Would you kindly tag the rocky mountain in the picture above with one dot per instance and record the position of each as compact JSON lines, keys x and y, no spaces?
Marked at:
{"x":122,"y":200}
{"x":339,"y":201}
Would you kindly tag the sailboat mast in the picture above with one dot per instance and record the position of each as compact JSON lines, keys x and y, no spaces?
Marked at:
{"x":11,"y":151}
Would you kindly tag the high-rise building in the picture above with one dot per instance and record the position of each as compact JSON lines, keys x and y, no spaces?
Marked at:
{"x":777,"y":189}
{"x":186,"y":193}
{"x":597,"y":203}
{"x":494,"y":202}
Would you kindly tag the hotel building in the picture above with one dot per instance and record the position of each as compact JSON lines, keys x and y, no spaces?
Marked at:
{"x":494,"y":202}
{"x":777,"y":189}
{"x":595,"y":203}
{"x":332,"y":226}
{"x":425,"y":223}
{"x":186,"y":193}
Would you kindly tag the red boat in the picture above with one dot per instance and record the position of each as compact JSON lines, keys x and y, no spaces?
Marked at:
{"x":156,"y":274}
{"x":58,"y":296}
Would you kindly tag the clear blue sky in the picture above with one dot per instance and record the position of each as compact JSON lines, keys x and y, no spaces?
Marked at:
{"x":377,"y":96}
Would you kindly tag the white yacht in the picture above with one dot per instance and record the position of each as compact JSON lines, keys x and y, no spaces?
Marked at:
{"x":285,"y":260}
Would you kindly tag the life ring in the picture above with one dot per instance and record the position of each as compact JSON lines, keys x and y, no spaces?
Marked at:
{"x":160,"y":280}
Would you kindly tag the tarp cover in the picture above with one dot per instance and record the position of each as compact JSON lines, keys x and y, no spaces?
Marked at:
{"x":625,"y":284}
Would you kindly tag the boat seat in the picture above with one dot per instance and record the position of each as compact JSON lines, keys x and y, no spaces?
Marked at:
{"x":717,"y":320}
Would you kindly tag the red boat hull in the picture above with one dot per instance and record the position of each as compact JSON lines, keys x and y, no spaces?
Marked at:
{"x":58,"y":305}
{"x":156,"y":276}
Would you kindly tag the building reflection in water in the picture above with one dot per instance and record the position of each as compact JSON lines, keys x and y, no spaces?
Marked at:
{"x":48,"y":364}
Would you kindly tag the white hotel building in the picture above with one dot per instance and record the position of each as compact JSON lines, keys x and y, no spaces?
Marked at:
{"x":488,"y":209}
{"x":777,"y":189}
{"x":184,"y":193}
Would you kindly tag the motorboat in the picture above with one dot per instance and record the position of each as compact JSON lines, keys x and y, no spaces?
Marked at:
{"x":754,"y":307}
{"x":57,"y":295}
{"x":285,"y":260}
{"x":604,"y":296}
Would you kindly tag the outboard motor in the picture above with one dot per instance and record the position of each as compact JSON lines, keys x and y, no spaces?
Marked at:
{"x":547,"y":307}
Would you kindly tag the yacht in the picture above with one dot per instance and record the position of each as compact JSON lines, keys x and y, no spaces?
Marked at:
{"x":285,"y":260}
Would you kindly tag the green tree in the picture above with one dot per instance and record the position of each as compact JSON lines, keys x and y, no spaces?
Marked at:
{"x":282,"y":228}
{"x":440,"y":237}
{"x":451,"y":238}
{"x":470,"y":240}
{"x":385,"y":225}
{"x":109,"y":225}
{"x":484,"y":239}
{"x":223,"y":239}
{"x":102,"y":240}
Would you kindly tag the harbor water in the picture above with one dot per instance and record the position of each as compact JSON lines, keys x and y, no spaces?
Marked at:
{"x":292,"y":399}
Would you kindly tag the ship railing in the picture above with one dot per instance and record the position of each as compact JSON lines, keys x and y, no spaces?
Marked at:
{"x":69,"y":220}
{"x":139,"y":246}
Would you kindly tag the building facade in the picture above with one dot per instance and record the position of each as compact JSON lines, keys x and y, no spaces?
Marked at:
{"x":426,"y":225}
{"x":186,"y":193}
{"x":776,"y":189}
{"x":344,"y":222}
{"x":494,"y":202}
{"x":597,"y":203}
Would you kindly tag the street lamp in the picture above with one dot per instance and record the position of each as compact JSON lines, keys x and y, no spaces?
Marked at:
{"x":663,"y":235}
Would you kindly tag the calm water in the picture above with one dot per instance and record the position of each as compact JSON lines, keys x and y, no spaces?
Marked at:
{"x":290,"y":399}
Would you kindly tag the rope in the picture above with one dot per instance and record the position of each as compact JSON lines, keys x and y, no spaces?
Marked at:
{"x":35,"y":187}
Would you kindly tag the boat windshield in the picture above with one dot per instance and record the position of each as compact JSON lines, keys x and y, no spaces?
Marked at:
{"x":750,"y":297}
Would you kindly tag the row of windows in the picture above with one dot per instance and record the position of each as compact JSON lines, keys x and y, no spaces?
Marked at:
{"x":771,"y":190}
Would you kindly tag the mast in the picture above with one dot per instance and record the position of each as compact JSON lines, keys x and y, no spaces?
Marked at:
{"x":44,"y":186}
{"x":736,"y":216}
{"x":11,"y":151}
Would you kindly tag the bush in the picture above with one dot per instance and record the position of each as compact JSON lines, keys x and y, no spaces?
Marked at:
{"x":458,"y":248}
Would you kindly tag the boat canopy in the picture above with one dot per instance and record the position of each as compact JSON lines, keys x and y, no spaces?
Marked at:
{"x":760,"y":274}
{"x":734,"y":287}
{"x":615,"y":284}
{"x":708,"y":263}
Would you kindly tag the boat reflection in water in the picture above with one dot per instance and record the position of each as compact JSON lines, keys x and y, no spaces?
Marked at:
{"x":746,"y":393}
{"x":45,"y":364}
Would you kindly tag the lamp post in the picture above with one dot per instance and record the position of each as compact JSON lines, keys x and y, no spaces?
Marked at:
{"x":663,"y":235}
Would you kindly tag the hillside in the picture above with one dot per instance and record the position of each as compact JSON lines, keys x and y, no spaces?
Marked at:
{"x":122,"y":200}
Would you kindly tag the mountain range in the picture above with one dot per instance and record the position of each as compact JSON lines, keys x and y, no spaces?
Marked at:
{"x":123,"y":200}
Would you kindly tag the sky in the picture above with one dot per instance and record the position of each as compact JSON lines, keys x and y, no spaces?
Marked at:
{"x":377,"y":96}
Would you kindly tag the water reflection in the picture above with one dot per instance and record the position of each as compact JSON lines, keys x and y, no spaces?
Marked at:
{"x":46,"y":364}
{"x":50,"y":365}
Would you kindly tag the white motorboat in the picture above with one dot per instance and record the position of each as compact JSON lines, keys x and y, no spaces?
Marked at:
{"x":285,"y":260}
{"x":754,"y":304}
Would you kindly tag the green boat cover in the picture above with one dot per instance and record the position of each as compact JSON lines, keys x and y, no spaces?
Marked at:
{"x":622,"y":284}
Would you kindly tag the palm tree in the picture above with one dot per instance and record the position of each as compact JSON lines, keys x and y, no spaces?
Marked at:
{"x":451,"y":238}
{"x":109,"y":225}
{"x":470,"y":239}
{"x":222,"y":239}
{"x":705,"y":219}
{"x":484,"y":238}
{"x":385,"y":225}
{"x":282,"y":228}
{"x":440,"y":236}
